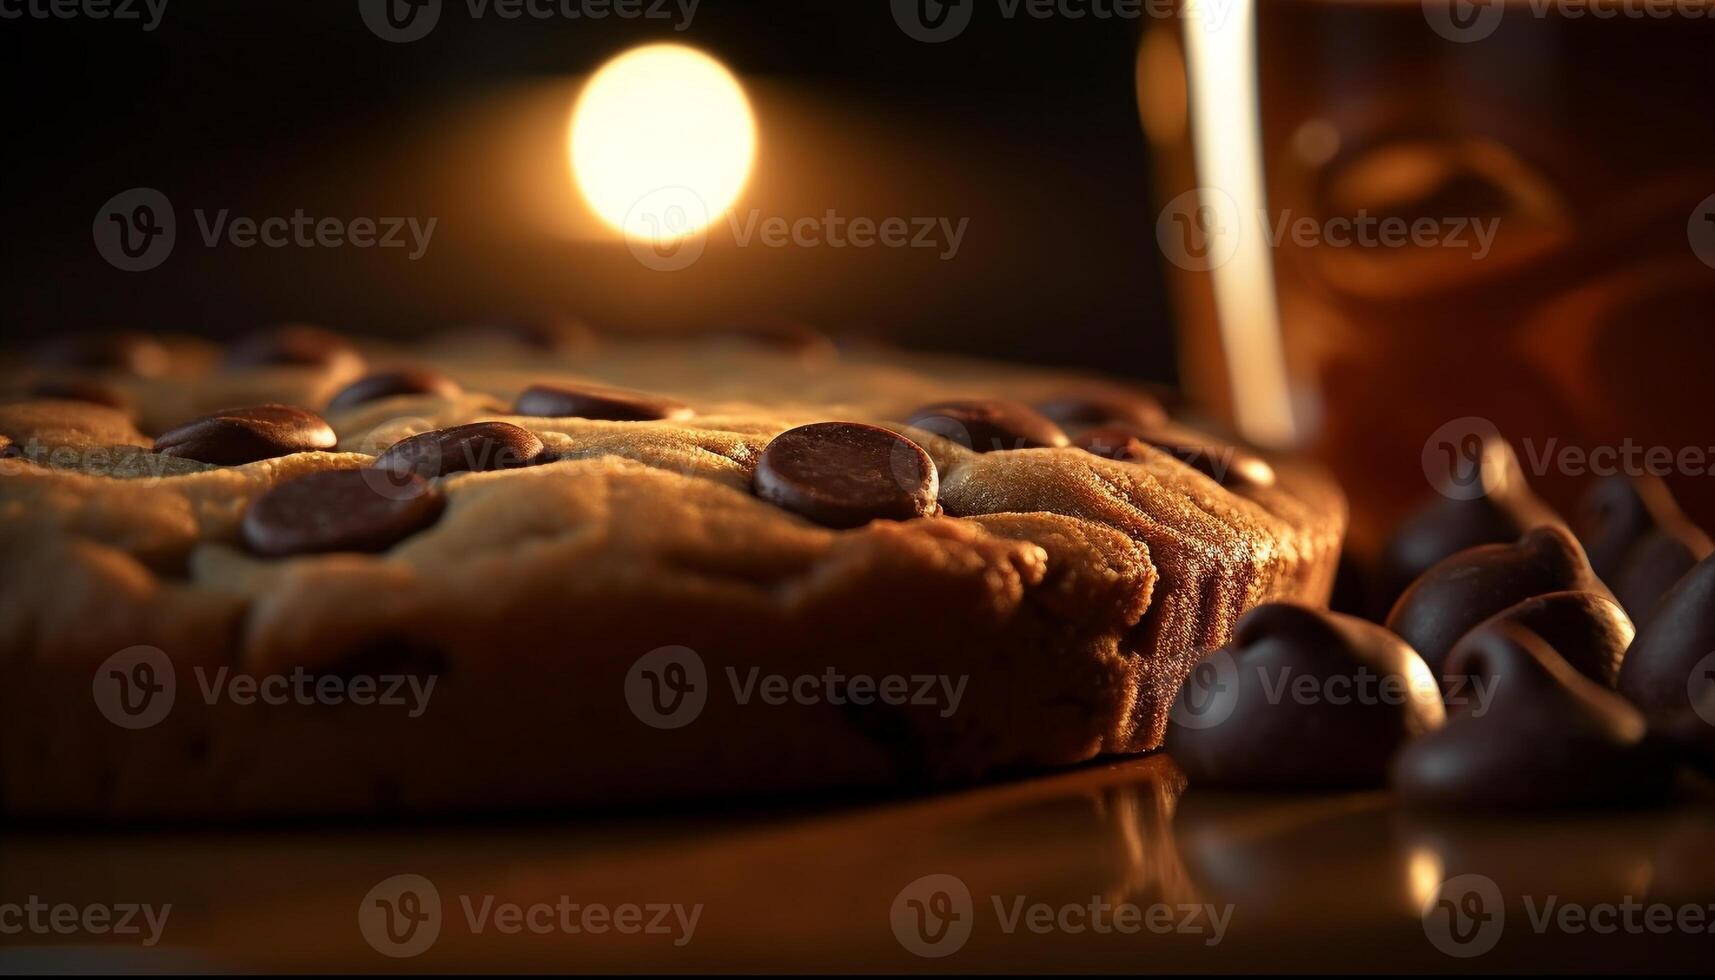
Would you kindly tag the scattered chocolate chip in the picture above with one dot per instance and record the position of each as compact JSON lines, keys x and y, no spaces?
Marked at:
{"x":1589,"y":630}
{"x":1638,"y":539}
{"x":1301,"y":699}
{"x":339,"y":510}
{"x":1453,"y":597}
{"x":295,"y":345}
{"x":1537,"y":735}
{"x":1101,"y":405}
{"x":477,"y":447}
{"x":989,"y":424}
{"x":846,"y":474}
{"x":1671,"y":665}
{"x":541,"y":333}
{"x":82,"y":390}
{"x":389,"y":384}
{"x":1226,"y":464}
{"x":1454,"y":521}
{"x":596,"y":402}
{"x":245,"y":435}
{"x":127,"y":351}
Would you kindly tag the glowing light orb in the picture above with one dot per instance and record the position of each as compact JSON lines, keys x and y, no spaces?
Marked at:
{"x":662,"y":141}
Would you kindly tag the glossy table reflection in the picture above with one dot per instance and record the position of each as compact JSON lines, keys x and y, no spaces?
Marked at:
{"x":1316,"y":882}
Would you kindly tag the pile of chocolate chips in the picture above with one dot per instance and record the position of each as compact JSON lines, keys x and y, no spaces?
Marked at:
{"x":1522,"y":665}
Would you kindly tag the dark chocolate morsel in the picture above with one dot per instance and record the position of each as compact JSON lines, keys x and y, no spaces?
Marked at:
{"x":1638,"y":539}
{"x":597,"y":402}
{"x":1301,"y":699}
{"x":339,"y":510}
{"x":846,"y":474}
{"x":1103,"y":405}
{"x":989,"y":424}
{"x":389,"y":384}
{"x":1671,"y":665}
{"x":1453,"y":522}
{"x":1535,"y":734}
{"x":295,"y":344}
{"x":542,"y":333}
{"x":126,"y":351}
{"x":1589,"y":630}
{"x":1226,"y":464}
{"x":476,"y":447}
{"x":82,"y":390}
{"x":1450,"y":599}
{"x":245,"y":435}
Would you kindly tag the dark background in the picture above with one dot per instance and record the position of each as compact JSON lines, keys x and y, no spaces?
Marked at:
{"x":1028,"y":127}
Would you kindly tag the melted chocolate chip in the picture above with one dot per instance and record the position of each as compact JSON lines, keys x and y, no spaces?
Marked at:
{"x":1301,"y":699}
{"x":595,"y":402}
{"x":1100,"y":405}
{"x":125,"y":351}
{"x":1638,"y":540}
{"x":339,"y":510}
{"x":476,"y":447}
{"x":1537,"y":734}
{"x":846,"y":474}
{"x":1589,"y":630}
{"x":245,"y":435}
{"x":82,"y":390}
{"x":1671,"y":665}
{"x":987,"y":425}
{"x":389,"y":384}
{"x":1460,"y":592}
{"x":1503,"y":509}
{"x":293,"y":345}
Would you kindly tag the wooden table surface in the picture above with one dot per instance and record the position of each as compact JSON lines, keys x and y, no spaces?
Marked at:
{"x":1178,"y":880}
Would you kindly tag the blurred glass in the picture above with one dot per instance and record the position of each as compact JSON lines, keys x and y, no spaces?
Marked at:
{"x":1500,"y":210}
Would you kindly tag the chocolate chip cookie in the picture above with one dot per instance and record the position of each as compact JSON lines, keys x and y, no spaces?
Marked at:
{"x":310,"y":574}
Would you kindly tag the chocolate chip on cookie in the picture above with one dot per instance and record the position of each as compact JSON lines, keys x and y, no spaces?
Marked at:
{"x":989,"y":424}
{"x":846,"y":474}
{"x":245,"y":435}
{"x":82,"y":390}
{"x":125,"y":351}
{"x":1226,"y":464}
{"x":596,"y":402}
{"x":293,"y":345}
{"x":476,"y":447}
{"x":340,"y":510}
{"x":388,"y":384}
{"x":1103,"y":406}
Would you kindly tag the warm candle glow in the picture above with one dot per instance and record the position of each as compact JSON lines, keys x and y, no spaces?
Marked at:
{"x":662,"y":141}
